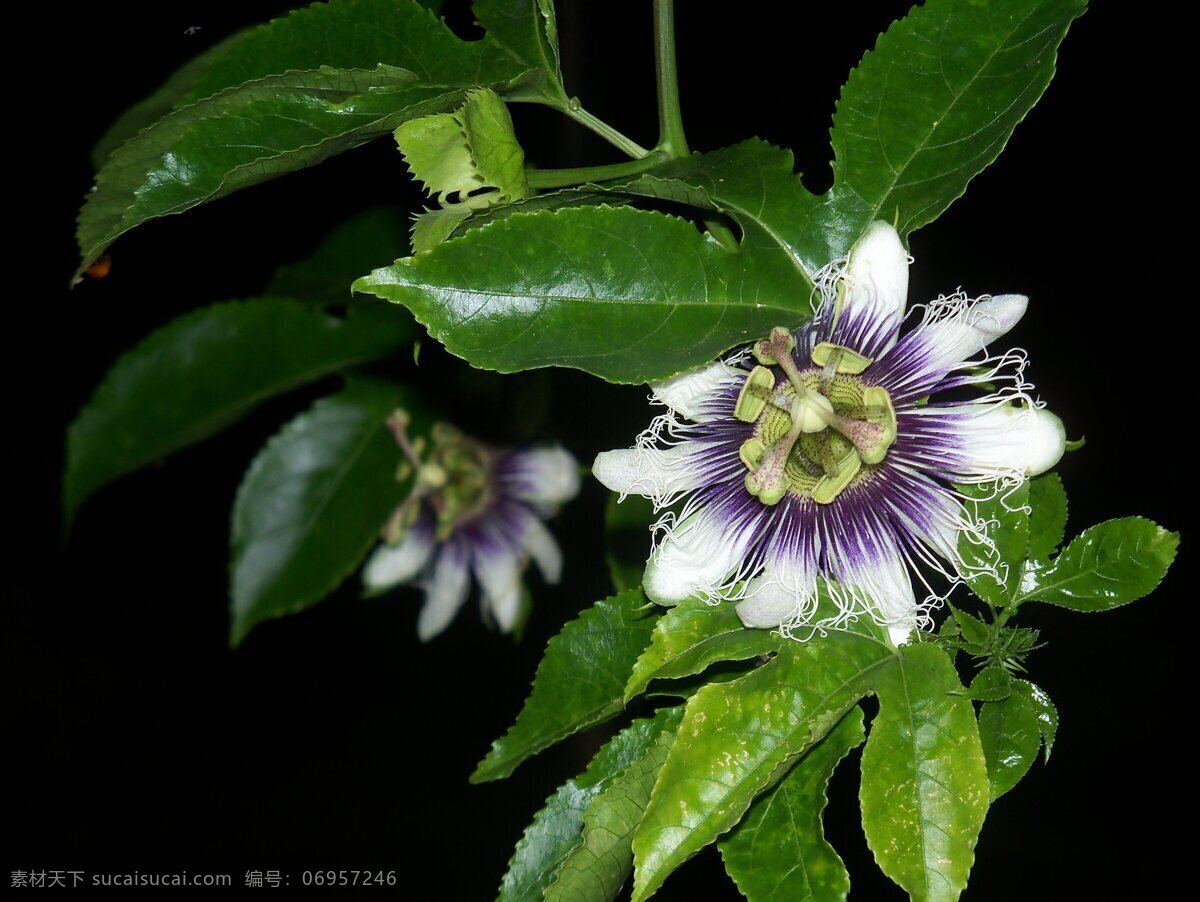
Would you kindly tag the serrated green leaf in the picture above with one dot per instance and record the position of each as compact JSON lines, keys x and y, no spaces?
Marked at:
{"x":245,"y":136}
{"x":925,"y":790}
{"x":556,"y":829}
{"x":934,"y":104}
{"x":1010,"y":733}
{"x":206,"y":369}
{"x":313,"y":502}
{"x":1047,"y":713}
{"x":1048,"y":516}
{"x":361,"y":34}
{"x":627,"y":295}
{"x":971,"y":628}
{"x":149,"y":110}
{"x":580,"y":681}
{"x":992,"y":684}
{"x":1109,"y":565}
{"x":779,"y":853}
{"x":599,"y":867}
{"x":738,"y":739}
{"x":691,"y":636}
{"x":994,"y":568}
{"x":370,"y":238}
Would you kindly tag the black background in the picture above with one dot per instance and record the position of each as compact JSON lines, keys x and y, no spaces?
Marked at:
{"x":334,"y":739}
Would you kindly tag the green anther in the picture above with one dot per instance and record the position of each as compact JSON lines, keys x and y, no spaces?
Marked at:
{"x":754,"y":394}
{"x":832,"y":486}
{"x":844,"y":360}
{"x":878,"y":399}
{"x":751,"y":453}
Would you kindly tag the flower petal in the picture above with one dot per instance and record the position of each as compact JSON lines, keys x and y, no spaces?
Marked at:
{"x":785,"y":591}
{"x":656,"y":473}
{"x":498,"y":570}
{"x":985,"y":441}
{"x":391,"y":565}
{"x":953,"y":331}
{"x":445,"y":592}
{"x":876,"y":285}
{"x":688,"y":392}
{"x":884,"y":587}
{"x":547,"y":477}
{"x":544,"y":550}
{"x":696,"y":558}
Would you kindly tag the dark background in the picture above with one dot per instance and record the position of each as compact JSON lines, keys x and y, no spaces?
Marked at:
{"x":334,"y":739}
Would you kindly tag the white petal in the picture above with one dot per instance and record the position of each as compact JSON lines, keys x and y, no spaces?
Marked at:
{"x":657,"y":473}
{"x":783,"y":591}
{"x":686,"y":392}
{"x":949,"y":341}
{"x":445,"y":593}
{"x":876,"y":279}
{"x":999,"y":438}
{"x":499,"y":575}
{"x":884,"y":585}
{"x":696,"y":558}
{"x":544,"y":550}
{"x":391,"y":565}
{"x":548,"y":476}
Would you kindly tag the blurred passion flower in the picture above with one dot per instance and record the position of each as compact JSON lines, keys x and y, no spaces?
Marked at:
{"x":833,"y":460}
{"x":472,"y":509}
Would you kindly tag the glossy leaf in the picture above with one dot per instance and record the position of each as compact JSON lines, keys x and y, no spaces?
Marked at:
{"x":556,"y":830}
{"x":580,"y":681}
{"x":361,"y":34}
{"x":599,"y":867}
{"x":994,"y":569}
{"x":738,"y":739}
{"x":1046,"y":711}
{"x":245,"y":136}
{"x":925,"y":790}
{"x":1109,"y":565}
{"x":313,"y":503}
{"x":158,"y":104}
{"x":1011,"y":735}
{"x":370,"y":238}
{"x":992,"y":684}
{"x":1048,"y":516}
{"x":934,"y":104}
{"x":692,"y":635}
{"x":778,"y":853}
{"x":627,"y":539}
{"x":627,"y":295}
{"x":203,"y":371}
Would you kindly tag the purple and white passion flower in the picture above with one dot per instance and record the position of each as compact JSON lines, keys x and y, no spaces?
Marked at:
{"x":826,"y":455}
{"x":472,"y":509}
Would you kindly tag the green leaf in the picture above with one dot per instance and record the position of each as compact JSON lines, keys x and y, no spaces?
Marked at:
{"x":779,"y":851}
{"x":972,"y":628}
{"x":992,"y":684}
{"x":580,"y":681}
{"x":313,"y":503}
{"x":691,"y":636}
{"x":934,"y":104}
{"x":361,"y":34}
{"x":148,"y":111}
{"x":245,"y":136}
{"x":624,"y":294}
{"x":1048,"y":519}
{"x":1047,"y":713}
{"x":738,"y":739}
{"x":925,"y":790}
{"x":1011,"y":735}
{"x":370,"y":238}
{"x":599,"y":867}
{"x":627,"y":539}
{"x":1109,"y":565}
{"x":993,"y":568}
{"x":205,"y":370}
{"x":556,"y":830}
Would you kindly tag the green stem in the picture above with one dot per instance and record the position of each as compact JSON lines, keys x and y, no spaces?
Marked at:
{"x":563,"y":178}
{"x":670,"y":122}
{"x":626,"y":145}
